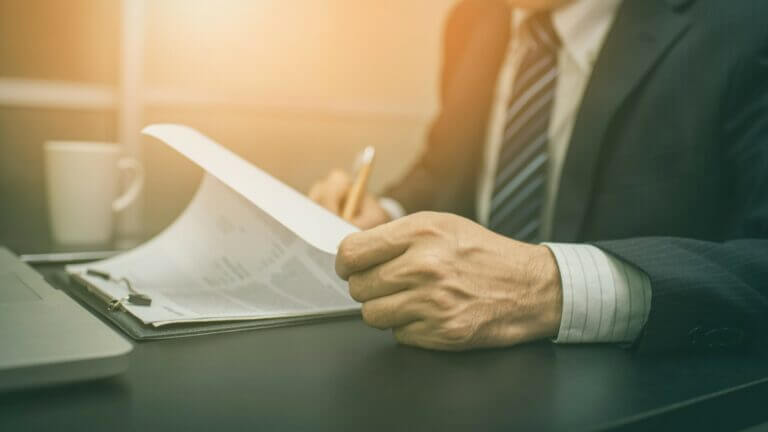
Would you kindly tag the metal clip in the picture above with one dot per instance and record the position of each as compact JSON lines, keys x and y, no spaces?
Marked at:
{"x":134,"y":297}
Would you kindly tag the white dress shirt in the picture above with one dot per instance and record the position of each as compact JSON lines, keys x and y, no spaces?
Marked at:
{"x":604,"y":298}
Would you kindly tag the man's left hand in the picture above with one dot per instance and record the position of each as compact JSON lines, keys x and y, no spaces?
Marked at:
{"x":444,"y":282}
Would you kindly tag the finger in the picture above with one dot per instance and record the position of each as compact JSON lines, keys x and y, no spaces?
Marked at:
{"x":365,"y":221}
{"x":411,"y":333}
{"x":370,"y":214}
{"x":334,"y":191}
{"x":314,"y":192}
{"x":378,"y":281}
{"x":420,"y":334}
{"x":391,"y":311}
{"x":365,"y":249}
{"x":367,"y":207}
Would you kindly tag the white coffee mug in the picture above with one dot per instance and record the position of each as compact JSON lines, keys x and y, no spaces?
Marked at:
{"x":83,"y":180}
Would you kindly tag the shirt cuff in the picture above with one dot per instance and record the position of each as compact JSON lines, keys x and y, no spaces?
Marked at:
{"x":392,"y":207}
{"x":604,"y":298}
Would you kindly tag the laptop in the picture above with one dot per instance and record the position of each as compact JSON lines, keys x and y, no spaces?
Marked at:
{"x":46,"y":337}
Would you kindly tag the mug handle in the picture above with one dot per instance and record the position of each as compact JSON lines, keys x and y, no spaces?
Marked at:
{"x":137,"y":183}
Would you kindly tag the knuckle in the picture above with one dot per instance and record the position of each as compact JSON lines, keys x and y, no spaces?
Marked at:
{"x":388,"y":274}
{"x":431,"y":266}
{"x":428,"y":231}
{"x":457,"y":332}
{"x":355,"y":288}
{"x":430,"y":261}
{"x":365,"y":312}
{"x":440,"y":300}
{"x":427,"y":228}
{"x":434,"y":225}
{"x":418,"y":269}
{"x":345,"y":254}
{"x":370,"y":315}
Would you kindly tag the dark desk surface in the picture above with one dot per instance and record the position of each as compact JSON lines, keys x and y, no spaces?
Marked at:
{"x":342,"y":375}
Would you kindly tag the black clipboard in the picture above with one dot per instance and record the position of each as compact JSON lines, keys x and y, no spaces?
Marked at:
{"x":137,"y":330}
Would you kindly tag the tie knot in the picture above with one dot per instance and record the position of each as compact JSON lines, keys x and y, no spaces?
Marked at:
{"x":541,"y":32}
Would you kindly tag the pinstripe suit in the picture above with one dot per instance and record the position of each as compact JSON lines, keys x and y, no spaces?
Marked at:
{"x":667,"y":166}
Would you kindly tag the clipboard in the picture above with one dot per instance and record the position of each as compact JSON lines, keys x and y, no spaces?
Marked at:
{"x":141,"y":332}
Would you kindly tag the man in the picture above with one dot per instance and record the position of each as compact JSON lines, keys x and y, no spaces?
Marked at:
{"x":631,"y":136}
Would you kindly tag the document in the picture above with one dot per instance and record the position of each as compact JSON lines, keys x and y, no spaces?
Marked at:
{"x":247,"y":247}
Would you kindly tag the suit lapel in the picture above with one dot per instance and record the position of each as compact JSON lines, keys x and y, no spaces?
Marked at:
{"x":468,"y":88}
{"x":642,"y":32}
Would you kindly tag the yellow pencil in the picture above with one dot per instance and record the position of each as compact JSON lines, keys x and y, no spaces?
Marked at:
{"x":363,"y":167}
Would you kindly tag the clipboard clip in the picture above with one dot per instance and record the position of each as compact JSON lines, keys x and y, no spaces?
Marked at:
{"x":134,"y":297}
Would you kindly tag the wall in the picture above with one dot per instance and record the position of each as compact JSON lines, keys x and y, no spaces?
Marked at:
{"x":296,"y":86}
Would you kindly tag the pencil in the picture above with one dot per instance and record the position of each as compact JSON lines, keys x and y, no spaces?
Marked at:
{"x":364,"y":165}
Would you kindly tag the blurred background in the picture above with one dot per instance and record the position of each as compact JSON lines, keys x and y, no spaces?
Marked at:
{"x":296,"y":86}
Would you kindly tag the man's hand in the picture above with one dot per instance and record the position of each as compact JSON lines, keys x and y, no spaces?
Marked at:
{"x":441,"y":281}
{"x":331,"y":193}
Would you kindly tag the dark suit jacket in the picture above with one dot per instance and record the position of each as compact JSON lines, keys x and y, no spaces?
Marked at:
{"x":667,"y":166}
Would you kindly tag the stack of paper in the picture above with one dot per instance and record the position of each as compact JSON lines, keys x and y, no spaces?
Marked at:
{"x":247,"y":247}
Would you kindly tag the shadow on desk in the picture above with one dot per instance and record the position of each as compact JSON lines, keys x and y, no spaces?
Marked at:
{"x":464,"y":390}
{"x":343,"y":375}
{"x":107,"y":405}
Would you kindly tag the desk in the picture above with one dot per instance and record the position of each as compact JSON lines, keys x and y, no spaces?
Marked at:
{"x":342,"y":375}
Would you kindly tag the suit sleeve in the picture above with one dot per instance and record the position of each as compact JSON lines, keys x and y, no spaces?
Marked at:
{"x":714,"y":295}
{"x":443,"y":177}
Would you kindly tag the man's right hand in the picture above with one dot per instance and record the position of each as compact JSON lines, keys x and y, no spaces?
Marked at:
{"x":331,"y":193}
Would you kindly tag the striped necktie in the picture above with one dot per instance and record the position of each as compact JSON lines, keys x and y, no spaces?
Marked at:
{"x":519,"y":188}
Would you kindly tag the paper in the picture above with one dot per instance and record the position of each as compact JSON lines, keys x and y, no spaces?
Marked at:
{"x":247,"y":247}
{"x":298,"y":213}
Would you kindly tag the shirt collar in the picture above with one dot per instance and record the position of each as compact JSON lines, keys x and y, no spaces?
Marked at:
{"x":581,"y":25}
